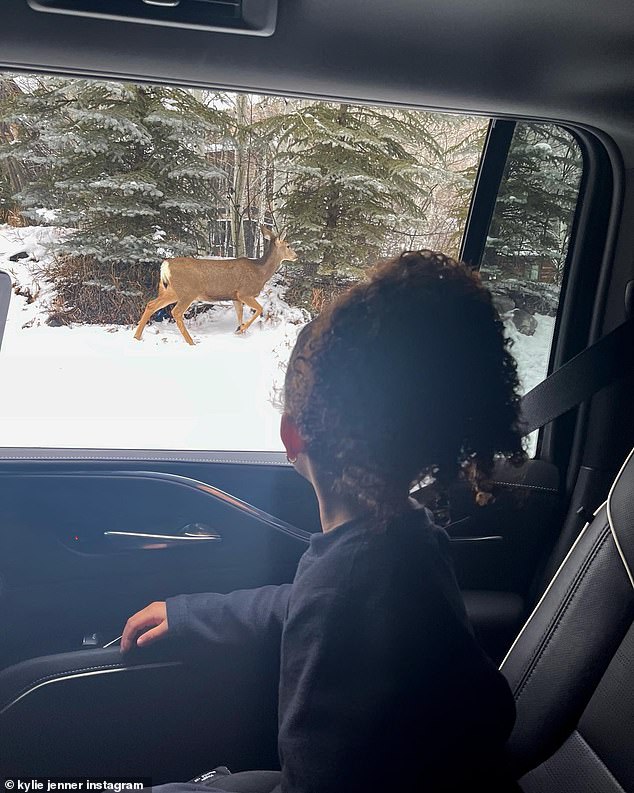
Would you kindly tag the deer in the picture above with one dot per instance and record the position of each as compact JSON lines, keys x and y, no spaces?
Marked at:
{"x":185,"y":280}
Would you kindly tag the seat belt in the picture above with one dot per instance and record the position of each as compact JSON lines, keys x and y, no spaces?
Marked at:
{"x":594,"y":368}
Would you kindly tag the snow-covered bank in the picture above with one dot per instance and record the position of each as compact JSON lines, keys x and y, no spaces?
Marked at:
{"x":94,"y":386}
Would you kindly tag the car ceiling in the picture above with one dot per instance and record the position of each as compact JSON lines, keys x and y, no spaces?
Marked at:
{"x":569,"y":60}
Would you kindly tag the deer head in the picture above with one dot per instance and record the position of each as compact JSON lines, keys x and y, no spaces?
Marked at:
{"x":283,"y":251}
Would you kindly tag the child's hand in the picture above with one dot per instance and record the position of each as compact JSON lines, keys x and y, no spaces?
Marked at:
{"x":150,"y":623}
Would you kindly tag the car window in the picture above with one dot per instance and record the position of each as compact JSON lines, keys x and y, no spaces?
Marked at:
{"x":101,"y":182}
{"x":104,"y":186}
{"x":527,"y":244}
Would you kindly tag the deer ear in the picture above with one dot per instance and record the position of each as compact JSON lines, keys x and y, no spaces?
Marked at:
{"x":267,"y":232}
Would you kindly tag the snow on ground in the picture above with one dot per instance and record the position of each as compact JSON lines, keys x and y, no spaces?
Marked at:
{"x":95,"y":386}
{"x":532,"y":352}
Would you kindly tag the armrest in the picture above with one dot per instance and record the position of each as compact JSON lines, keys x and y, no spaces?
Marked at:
{"x":150,"y":713}
{"x":28,"y":677}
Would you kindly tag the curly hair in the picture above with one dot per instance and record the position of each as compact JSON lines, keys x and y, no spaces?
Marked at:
{"x":406,"y":375}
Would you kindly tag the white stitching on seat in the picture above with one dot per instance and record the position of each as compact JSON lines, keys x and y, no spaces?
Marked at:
{"x":606,"y":504}
{"x":558,"y":618}
{"x":611,"y":522}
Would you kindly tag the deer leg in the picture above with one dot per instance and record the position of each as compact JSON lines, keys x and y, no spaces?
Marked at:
{"x":164,"y":299}
{"x":252,"y":303}
{"x":239,"y":306}
{"x":177,"y":312}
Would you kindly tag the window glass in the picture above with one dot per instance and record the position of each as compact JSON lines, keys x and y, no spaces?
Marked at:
{"x":102,"y":181}
{"x":527,"y":244}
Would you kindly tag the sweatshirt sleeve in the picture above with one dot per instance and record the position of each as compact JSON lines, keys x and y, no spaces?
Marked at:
{"x":247,"y":615}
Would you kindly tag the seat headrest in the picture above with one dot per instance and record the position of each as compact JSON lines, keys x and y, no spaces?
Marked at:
{"x":620,"y":508}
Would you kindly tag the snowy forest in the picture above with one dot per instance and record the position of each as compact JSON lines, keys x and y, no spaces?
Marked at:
{"x":140,"y":172}
{"x":100,"y":181}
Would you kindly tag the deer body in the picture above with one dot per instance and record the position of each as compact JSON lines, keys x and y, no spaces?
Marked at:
{"x":216,"y":279}
{"x":185,"y":280}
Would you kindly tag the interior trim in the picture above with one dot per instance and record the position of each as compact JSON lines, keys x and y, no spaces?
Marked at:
{"x":362,"y":50}
{"x":62,"y":677}
{"x":585,"y":288}
{"x":270,"y":459}
{"x":39,"y":454}
{"x":140,"y":535}
{"x":253,"y":19}
{"x":611,"y":521}
{"x":228,"y":500}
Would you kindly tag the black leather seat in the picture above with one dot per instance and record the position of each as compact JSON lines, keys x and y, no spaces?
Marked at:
{"x":572,"y":666}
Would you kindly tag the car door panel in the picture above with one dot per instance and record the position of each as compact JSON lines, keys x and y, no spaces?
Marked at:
{"x":160,"y":713}
{"x":62,"y":577}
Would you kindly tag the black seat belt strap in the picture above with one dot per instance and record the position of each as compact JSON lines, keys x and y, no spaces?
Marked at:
{"x":594,"y":368}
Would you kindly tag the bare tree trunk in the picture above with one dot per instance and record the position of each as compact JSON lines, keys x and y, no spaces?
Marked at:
{"x":261,"y":206}
{"x":239,"y":177}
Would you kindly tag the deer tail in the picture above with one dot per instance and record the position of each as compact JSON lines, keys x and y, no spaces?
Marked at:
{"x":165,"y":273}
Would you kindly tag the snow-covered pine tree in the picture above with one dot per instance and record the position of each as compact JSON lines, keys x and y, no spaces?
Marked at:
{"x":187,"y":127}
{"x":460,"y":140}
{"x":15,"y":174}
{"x":537,"y":199}
{"x":124,"y":165}
{"x":350,"y":179}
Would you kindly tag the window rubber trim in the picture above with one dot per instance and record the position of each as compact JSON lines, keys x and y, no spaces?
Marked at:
{"x":31,"y":455}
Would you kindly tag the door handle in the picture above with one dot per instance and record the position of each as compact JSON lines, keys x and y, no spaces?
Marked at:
{"x":146,"y":540}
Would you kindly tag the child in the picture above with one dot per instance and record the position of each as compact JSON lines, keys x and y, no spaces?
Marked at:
{"x":382,"y":684}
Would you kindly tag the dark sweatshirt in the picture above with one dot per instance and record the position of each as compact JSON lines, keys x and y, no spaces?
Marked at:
{"x":382,"y":684}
